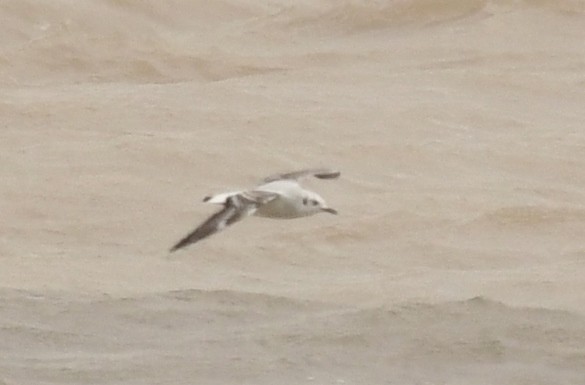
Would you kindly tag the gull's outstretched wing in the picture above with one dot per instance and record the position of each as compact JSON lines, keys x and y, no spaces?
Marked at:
{"x":321,"y":173}
{"x":236,"y":208}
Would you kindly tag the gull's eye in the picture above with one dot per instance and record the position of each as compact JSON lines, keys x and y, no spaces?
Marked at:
{"x":314,"y":202}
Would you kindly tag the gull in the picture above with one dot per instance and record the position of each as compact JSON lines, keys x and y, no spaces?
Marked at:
{"x":278,"y":196}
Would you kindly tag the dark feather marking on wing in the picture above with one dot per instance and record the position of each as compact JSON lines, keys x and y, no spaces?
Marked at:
{"x":235,"y":209}
{"x":209,"y":227}
{"x":327,"y":175}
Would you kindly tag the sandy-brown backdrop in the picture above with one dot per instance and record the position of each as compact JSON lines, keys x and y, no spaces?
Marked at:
{"x":458,"y":256}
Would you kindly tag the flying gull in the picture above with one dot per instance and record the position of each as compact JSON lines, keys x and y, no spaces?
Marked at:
{"x":278,"y":196}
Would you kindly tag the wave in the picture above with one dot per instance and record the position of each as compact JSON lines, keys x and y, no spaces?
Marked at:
{"x":428,"y":340}
{"x":358,"y":16}
{"x":532,"y":215}
{"x":160,"y":42}
{"x":351,"y":16}
{"x":119,"y":41}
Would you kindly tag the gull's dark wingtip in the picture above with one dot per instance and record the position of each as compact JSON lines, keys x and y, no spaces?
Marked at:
{"x":328,"y":175}
{"x":175,"y":248}
{"x":182,"y":243}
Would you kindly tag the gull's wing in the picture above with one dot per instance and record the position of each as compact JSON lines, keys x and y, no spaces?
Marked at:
{"x":236,"y":208}
{"x":321,"y":173}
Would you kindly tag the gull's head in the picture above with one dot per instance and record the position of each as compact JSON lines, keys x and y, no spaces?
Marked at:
{"x":313,"y":204}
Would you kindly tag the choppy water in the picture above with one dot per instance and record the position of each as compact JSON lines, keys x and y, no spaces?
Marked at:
{"x":458,"y":253}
